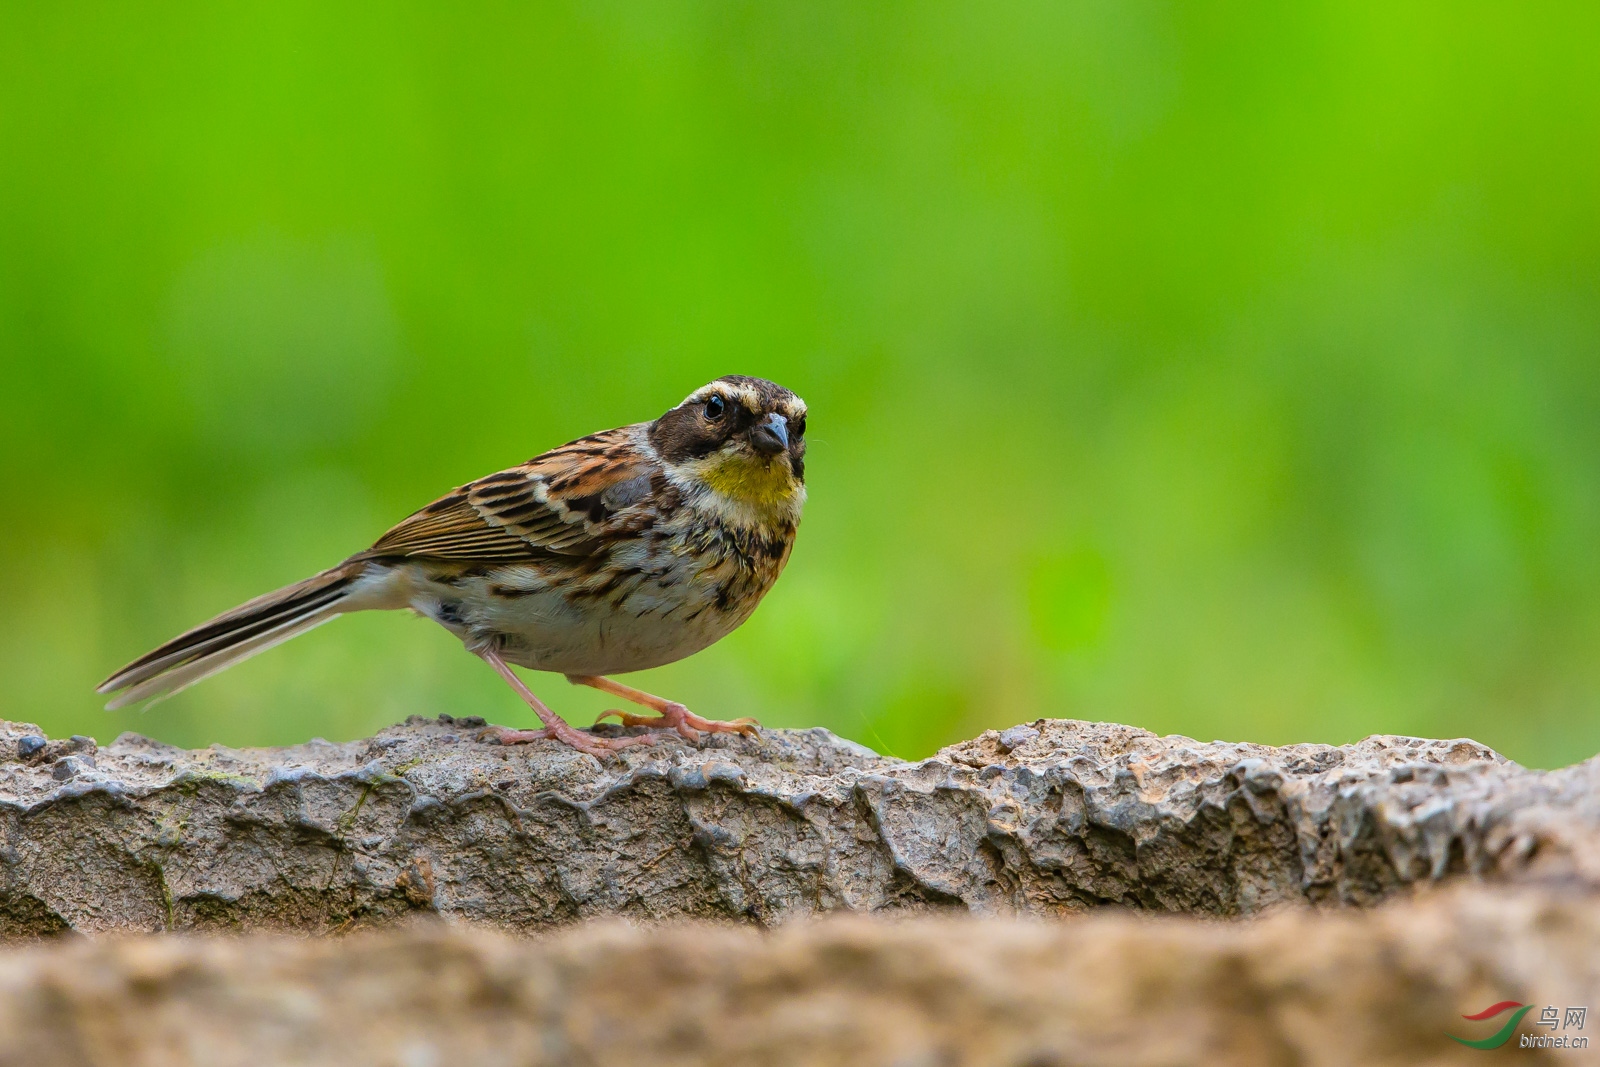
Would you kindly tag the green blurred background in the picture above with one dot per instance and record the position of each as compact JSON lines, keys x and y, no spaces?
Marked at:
{"x":1226,"y":369}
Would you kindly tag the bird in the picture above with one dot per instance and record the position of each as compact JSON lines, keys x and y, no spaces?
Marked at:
{"x":620,"y":551}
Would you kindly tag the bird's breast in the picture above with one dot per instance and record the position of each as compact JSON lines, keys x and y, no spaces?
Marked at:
{"x":643,"y":602}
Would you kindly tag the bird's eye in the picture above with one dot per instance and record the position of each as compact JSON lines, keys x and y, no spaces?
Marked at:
{"x":800,"y":427}
{"x":714,"y":408}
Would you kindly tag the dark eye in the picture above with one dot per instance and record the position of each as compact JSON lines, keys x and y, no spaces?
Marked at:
{"x":800,"y":427}
{"x":714,"y":408}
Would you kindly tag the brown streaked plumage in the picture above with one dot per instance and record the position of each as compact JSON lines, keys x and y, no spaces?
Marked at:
{"x":619,"y":551}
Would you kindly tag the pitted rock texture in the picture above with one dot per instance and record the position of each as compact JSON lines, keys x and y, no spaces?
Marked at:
{"x":1382,"y":988}
{"x":1042,"y":819}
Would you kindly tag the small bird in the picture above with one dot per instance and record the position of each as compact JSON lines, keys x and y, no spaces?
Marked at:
{"x":619,"y":551}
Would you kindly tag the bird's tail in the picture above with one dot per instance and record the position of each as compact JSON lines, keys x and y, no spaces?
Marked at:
{"x":233,"y":636}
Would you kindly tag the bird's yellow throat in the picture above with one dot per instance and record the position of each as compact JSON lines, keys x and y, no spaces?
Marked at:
{"x":761,"y":482}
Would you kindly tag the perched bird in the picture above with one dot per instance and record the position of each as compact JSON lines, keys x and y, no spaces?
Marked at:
{"x":620,"y":551}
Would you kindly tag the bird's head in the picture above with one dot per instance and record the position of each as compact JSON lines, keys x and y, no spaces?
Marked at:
{"x":743,"y":438}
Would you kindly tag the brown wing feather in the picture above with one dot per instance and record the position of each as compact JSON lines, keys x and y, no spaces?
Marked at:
{"x":535,"y":511}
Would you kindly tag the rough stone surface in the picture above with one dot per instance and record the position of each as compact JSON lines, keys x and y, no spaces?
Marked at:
{"x":1111,"y":988}
{"x":1044,"y":819}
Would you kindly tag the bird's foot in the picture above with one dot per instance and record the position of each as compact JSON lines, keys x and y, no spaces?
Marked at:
{"x":598,"y":747}
{"x":675,"y":716}
{"x":555,"y":727}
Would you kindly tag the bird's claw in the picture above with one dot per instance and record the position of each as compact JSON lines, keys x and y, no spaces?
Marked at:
{"x":688,"y":725}
{"x":599,"y":747}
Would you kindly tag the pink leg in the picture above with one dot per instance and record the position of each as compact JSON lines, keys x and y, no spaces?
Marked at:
{"x":554,"y":727}
{"x":674,"y":716}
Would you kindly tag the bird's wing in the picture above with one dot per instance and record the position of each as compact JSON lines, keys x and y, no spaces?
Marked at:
{"x":558,"y":504}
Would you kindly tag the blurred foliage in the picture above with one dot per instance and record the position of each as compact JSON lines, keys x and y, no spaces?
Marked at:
{"x":1227,"y":369}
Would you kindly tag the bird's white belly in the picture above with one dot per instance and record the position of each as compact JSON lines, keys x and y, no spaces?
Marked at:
{"x":545,"y":632}
{"x":650,"y":622}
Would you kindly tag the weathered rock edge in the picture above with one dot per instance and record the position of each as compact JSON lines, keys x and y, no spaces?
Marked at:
{"x":1383,"y":988}
{"x":1044,"y":819}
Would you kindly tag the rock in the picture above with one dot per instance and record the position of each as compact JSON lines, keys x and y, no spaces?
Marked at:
{"x":1016,"y":737}
{"x":1048,"y":819}
{"x":1382,"y":988}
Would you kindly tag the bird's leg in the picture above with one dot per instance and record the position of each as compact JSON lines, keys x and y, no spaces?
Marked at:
{"x":555,"y":728}
{"x":674,"y":716}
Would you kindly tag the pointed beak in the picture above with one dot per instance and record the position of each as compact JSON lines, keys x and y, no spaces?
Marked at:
{"x":771,"y":435}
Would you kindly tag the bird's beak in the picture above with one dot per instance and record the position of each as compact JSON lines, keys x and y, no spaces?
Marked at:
{"x":770,"y":435}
